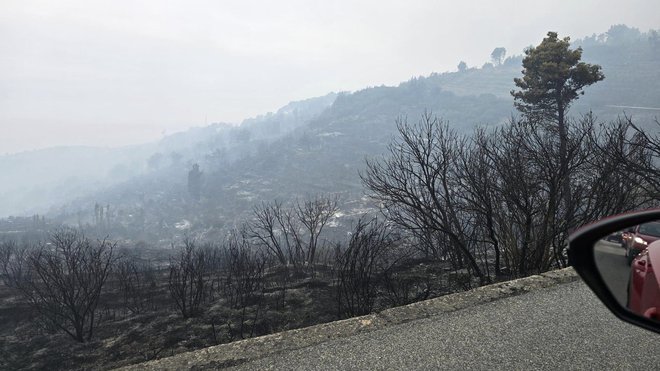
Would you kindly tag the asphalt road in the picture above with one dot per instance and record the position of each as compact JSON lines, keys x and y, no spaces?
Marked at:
{"x":564,"y":327}
{"x":611,"y":262}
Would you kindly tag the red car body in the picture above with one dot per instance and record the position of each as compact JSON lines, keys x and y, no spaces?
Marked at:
{"x":644,"y":286}
{"x":639,"y":237}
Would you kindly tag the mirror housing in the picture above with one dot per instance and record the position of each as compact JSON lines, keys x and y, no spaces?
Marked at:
{"x":581,"y":257}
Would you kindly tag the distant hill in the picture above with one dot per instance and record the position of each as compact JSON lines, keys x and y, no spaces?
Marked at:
{"x":629,"y":59}
{"x":319,"y":145}
{"x":38,"y":180}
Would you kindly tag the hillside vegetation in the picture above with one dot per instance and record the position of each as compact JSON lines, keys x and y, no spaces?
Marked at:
{"x":331,"y":207}
{"x":319,"y":146}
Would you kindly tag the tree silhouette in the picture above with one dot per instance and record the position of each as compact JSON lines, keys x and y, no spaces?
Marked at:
{"x":497,"y":56}
{"x":195,"y":182}
{"x":553,"y":77}
{"x":66,"y":279}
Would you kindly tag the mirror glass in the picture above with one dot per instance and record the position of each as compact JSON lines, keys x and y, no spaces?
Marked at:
{"x":627,"y":260}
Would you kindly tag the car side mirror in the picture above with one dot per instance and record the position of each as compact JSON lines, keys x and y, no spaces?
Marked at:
{"x":619,"y":263}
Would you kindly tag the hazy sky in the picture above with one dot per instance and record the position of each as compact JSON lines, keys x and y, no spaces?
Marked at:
{"x":119,"y":72}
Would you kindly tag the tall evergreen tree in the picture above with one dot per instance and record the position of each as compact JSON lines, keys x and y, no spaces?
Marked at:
{"x":553,"y":77}
{"x":195,"y":182}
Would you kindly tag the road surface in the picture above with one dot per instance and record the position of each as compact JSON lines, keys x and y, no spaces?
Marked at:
{"x":564,"y":327}
{"x":613,"y":266}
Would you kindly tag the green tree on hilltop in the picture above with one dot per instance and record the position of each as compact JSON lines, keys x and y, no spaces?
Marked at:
{"x":553,"y":77}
